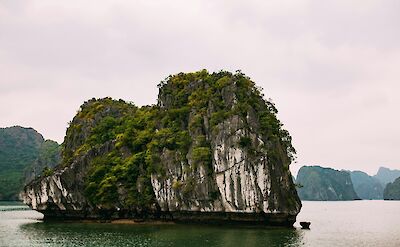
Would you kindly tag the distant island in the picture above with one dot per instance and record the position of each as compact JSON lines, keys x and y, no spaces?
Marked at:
{"x":392,"y":190}
{"x":367,"y":187}
{"x":324,"y":184}
{"x":316,"y":183}
{"x":210,"y":150}
{"x":386,"y":175}
{"x":24,"y":155}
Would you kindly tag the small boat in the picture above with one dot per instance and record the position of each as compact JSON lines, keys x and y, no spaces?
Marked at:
{"x":305,"y":224}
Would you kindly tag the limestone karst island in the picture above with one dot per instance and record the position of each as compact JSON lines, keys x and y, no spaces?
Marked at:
{"x":211,"y":149}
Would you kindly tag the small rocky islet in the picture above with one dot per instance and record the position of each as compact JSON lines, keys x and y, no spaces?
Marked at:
{"x":210,"y":150}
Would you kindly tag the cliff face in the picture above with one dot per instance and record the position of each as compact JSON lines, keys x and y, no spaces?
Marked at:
{"x":63,"y":191}
{"x":392,"y":190}
{"x":210,"y":150}
{"x":324,"y":184}
{"x":366,"y":187}
{"x":386,"y":175}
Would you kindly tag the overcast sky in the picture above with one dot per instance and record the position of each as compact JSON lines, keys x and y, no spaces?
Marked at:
{"x":331,"y":67}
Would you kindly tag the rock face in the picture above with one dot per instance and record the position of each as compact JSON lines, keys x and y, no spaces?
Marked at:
{"x":49,"y":155}
{"x":366,"y":187}
{"x":20,"y":149}
{"x":324,"y":184}
{"x":392,"y":190}
{"x":386,"y":175}
{"x":211,"y":150}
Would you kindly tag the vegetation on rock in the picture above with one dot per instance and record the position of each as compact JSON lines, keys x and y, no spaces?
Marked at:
{"x":179,"y":126}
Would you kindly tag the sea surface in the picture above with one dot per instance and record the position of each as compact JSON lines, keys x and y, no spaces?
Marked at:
{"x":355,"y":223}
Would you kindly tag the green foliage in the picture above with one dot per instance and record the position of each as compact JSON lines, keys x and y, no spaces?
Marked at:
{"x":218,"y":117}
{"x":103,"y":131}
{"x":47,"y":172}
{"x":214,"y":195}
{"x":189,"y":106}
{"x":177,"y":185}
{"x":245,"y":142}
{"x":96,"y":122}
{"x":202,"y":155}
{"x":188,"y":187}
{"x":201,"y":141}
{"x":248,"y":98}
{"x":196,"y":122}
{"x":223,"y":82}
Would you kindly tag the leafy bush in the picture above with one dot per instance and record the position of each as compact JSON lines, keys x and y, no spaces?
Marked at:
{"x":245,"y":142}
{"x":201,"y":155}
{"x":47,"y":172}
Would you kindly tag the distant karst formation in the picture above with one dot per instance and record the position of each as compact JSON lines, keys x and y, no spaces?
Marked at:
{"x":324,"y":184}
{"x":49,"y":156}
{"x":210,"y":150}
{"x":367,"y":187}
{"x":24,"y":154}
{"x":392,"y":190}
{"x":386,"y":175}
{"x":316,"y":183}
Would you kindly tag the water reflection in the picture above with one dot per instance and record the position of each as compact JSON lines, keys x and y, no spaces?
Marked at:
{"x":25,"y":228}
{"x":91,"y":234}
{"x":358,"y":223}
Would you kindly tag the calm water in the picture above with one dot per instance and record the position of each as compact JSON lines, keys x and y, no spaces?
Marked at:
{"x":357,"y":223}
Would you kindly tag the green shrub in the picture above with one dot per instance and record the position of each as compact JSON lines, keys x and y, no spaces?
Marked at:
{"x":217,"y":117}
{"x":47,"y":172}
{"x":201,"y":155}
{"x":176,"y":185}
{"x":245,"y":142}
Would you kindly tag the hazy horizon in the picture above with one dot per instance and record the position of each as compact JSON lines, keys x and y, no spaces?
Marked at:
{"x":330,"y":67}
